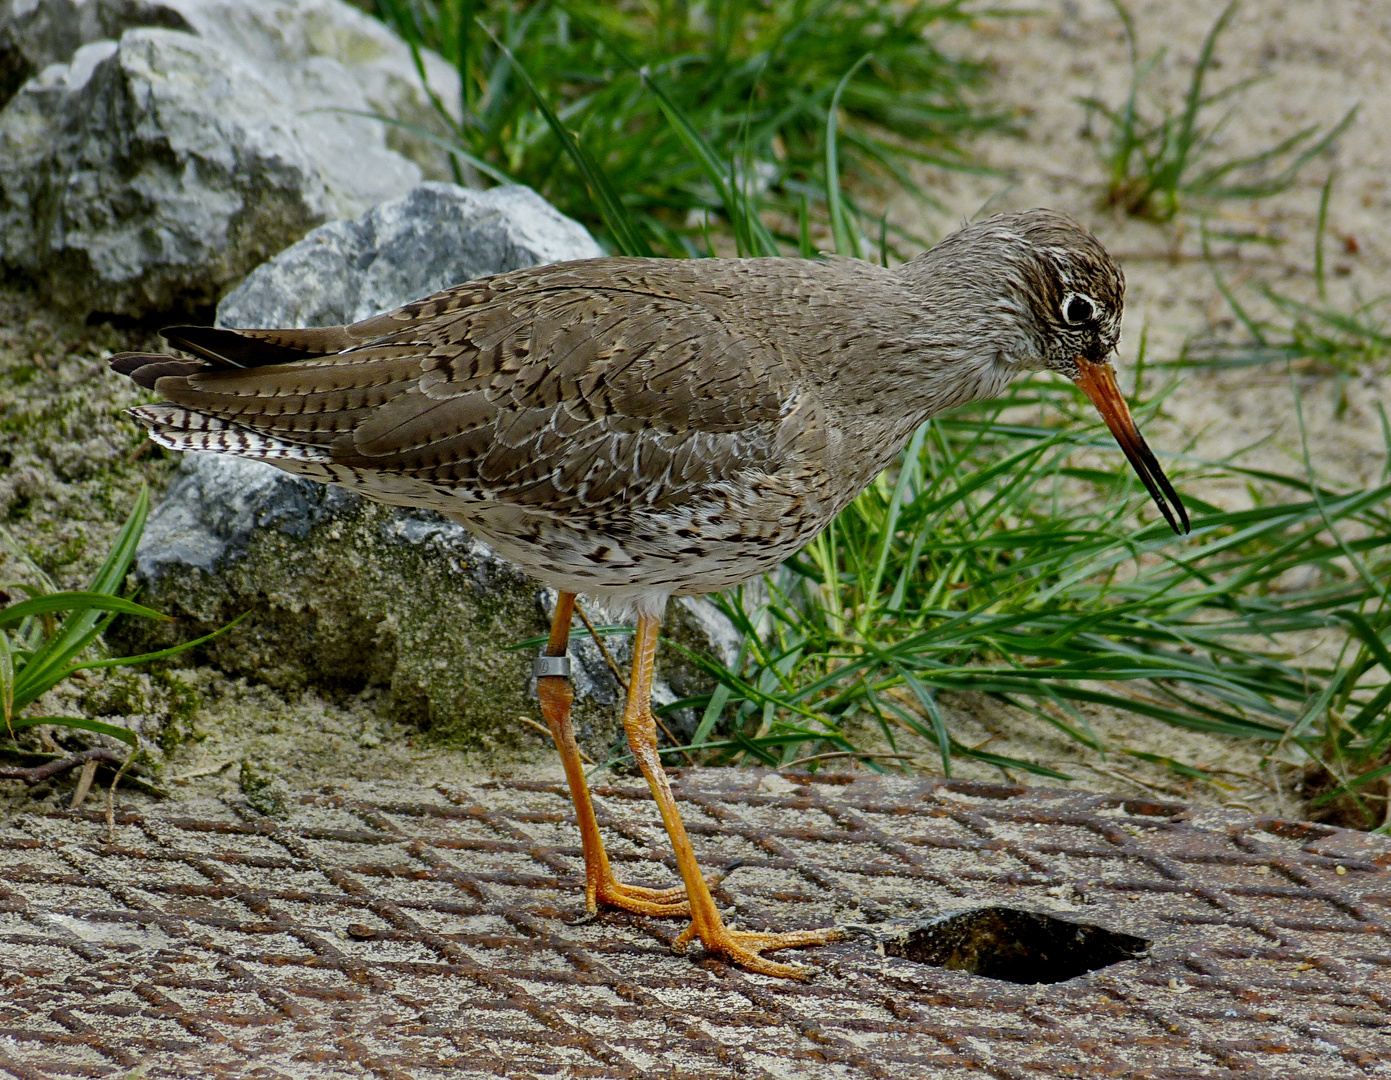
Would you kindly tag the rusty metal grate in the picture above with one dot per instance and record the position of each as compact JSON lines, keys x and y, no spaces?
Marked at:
{"x":398,"y":933}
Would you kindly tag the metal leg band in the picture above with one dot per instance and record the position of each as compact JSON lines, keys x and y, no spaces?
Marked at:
{"x":551,"y":665}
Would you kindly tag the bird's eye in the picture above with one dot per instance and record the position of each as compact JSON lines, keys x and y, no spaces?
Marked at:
{"x":1078,"y":309}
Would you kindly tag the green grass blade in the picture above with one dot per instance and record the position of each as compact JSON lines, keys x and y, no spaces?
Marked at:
{"x":1363,"y":631}
{"x":112,"y":574}
{"x":625,"y":233}
{"x":80,"y":628}
{"x":907,"y":471}
{"x":751,"y":236}
{"x":718,"y":700}
{"x":74,"y":601}
{"x":161,"y":654}
{"x":847,"y":240}
{"x":81,"y":722}
{"x":44,"y":669}
{"x":934,"y":714}
{"x":6,"y":682}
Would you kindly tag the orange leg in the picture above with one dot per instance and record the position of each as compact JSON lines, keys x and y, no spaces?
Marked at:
{"x":743,"y":947}
{"x":600,"y":886}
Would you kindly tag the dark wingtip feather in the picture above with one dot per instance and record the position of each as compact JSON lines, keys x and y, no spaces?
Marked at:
{"x":256,"y":348}
{"x":145,"y":369}
{"x":228,"y":348}
{"x":150,"y":374}
{"x":128,"y":363}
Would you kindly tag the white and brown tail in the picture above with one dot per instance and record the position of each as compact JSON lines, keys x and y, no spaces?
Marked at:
{"x":284,"y":397}
{"x":177,"y":428}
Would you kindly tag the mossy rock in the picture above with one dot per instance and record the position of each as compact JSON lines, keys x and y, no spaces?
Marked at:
{"x":341,"y":594}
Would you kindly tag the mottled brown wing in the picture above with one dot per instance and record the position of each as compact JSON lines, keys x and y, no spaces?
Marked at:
{"x":546,"y":388}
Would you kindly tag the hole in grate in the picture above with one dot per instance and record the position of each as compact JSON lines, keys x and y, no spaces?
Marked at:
{"x":1013,"y":945}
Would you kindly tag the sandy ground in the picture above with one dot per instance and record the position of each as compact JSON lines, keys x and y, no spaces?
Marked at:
{"x":1315,"y":60}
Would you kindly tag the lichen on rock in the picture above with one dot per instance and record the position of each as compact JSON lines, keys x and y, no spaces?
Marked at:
{"x":341,"y":594}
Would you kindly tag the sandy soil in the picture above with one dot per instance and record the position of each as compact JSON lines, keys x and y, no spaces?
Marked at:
{"x":1316,"y":61}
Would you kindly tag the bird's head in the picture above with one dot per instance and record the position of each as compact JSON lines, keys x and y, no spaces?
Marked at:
{"x":1040,"y":293}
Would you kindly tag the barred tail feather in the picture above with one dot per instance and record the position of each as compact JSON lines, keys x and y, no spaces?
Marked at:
{"x":176,"y":428}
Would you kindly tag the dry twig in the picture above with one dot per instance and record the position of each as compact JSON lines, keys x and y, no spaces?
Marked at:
{"x":529,"y":722}
{"x":37,"y":773}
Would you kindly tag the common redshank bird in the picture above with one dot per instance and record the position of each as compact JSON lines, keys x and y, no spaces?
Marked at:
{"x":638,"y":429}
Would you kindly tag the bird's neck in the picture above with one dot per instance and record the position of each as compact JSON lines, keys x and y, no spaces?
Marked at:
{"x":885,"y":350}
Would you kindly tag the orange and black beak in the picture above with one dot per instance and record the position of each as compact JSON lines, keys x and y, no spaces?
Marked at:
{"x":1098,"y":382}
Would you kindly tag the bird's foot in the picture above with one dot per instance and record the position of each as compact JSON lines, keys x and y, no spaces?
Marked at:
{"x":610,"y":892}
{"x":746,"y":947}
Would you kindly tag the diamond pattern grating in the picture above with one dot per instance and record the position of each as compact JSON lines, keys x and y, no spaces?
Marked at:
{"x":391,"y":932}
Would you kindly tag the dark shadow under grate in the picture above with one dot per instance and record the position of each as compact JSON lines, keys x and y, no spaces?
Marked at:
{"x":1013,"y":945}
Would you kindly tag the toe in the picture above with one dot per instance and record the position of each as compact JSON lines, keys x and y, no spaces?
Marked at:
{"x":761,"y":965}
{"x":676,"y":894}
{"x":640,"y":900}
{"x":746,"y":948}
{"x":793,"y":939}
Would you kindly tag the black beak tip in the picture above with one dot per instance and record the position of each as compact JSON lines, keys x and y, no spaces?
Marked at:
{"x":1151,"y":473}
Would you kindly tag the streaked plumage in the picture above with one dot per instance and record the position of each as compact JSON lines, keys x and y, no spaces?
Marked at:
{"x":628,"y":427}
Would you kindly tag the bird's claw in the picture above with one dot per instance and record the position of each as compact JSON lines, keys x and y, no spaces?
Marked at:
{"x":746,"y":947}
{"x":641,"y":900}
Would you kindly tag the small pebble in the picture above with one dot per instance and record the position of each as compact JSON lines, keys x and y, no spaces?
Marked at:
{"x":361,"y":932}
{"x":1340,"y":870}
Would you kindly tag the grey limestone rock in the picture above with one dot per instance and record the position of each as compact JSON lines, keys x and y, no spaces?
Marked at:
{"x":345,"y":594}
{"x":151,"y":169}
{"x":284,"y":40}
{"x":213,"y":510}
{"x":434,"y":237}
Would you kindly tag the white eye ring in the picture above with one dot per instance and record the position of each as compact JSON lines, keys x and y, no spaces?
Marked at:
{"x":1070,"y":305}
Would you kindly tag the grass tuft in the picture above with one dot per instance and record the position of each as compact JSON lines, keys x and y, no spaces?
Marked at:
{"x":992,"y":563}
{"x":1158,"y":156}
{"x":39,"y":652}
{"x":1321,"y":337}
{"x":758,"y":80}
